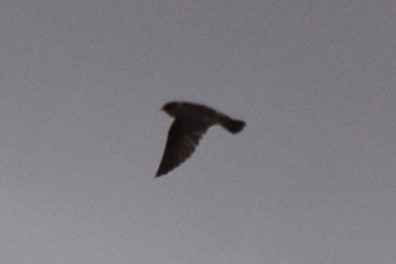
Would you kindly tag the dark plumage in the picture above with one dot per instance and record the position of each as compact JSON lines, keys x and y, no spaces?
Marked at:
{"x":191,"y":122}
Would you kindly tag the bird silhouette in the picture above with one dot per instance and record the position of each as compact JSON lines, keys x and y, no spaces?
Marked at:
{"x":191,"y":123}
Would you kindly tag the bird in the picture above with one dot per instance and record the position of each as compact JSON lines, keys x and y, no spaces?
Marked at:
{"x":192,"y":120}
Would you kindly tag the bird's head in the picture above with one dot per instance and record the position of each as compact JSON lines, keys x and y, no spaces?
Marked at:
{"x":172,"y":108}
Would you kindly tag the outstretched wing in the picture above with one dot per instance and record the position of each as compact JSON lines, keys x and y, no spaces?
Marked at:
{"x":183,"y":137}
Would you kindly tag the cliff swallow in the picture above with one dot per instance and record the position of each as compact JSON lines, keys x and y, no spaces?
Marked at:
{"x":190,"y":124}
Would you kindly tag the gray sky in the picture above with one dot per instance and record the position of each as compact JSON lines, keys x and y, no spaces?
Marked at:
{"x":310,"y":180}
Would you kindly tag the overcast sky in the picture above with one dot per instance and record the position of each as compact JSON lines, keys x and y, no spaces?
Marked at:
{"x":312,"y":178}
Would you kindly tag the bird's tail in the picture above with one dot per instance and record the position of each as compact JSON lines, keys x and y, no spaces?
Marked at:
{"x":232,"y":125}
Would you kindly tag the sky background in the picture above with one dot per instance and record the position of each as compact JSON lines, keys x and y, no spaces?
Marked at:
{"x":312,"y":178}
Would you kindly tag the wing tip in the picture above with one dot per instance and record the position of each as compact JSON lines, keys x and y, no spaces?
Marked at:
{"x":160,"y":173}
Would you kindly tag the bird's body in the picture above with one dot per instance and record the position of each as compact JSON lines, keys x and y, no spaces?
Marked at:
{"x":191,"y":122}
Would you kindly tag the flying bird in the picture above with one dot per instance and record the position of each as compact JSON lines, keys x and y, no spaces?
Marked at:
{"x":190,"y":124}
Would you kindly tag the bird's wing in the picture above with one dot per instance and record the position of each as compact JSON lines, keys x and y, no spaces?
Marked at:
{"x":183,"y":136}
